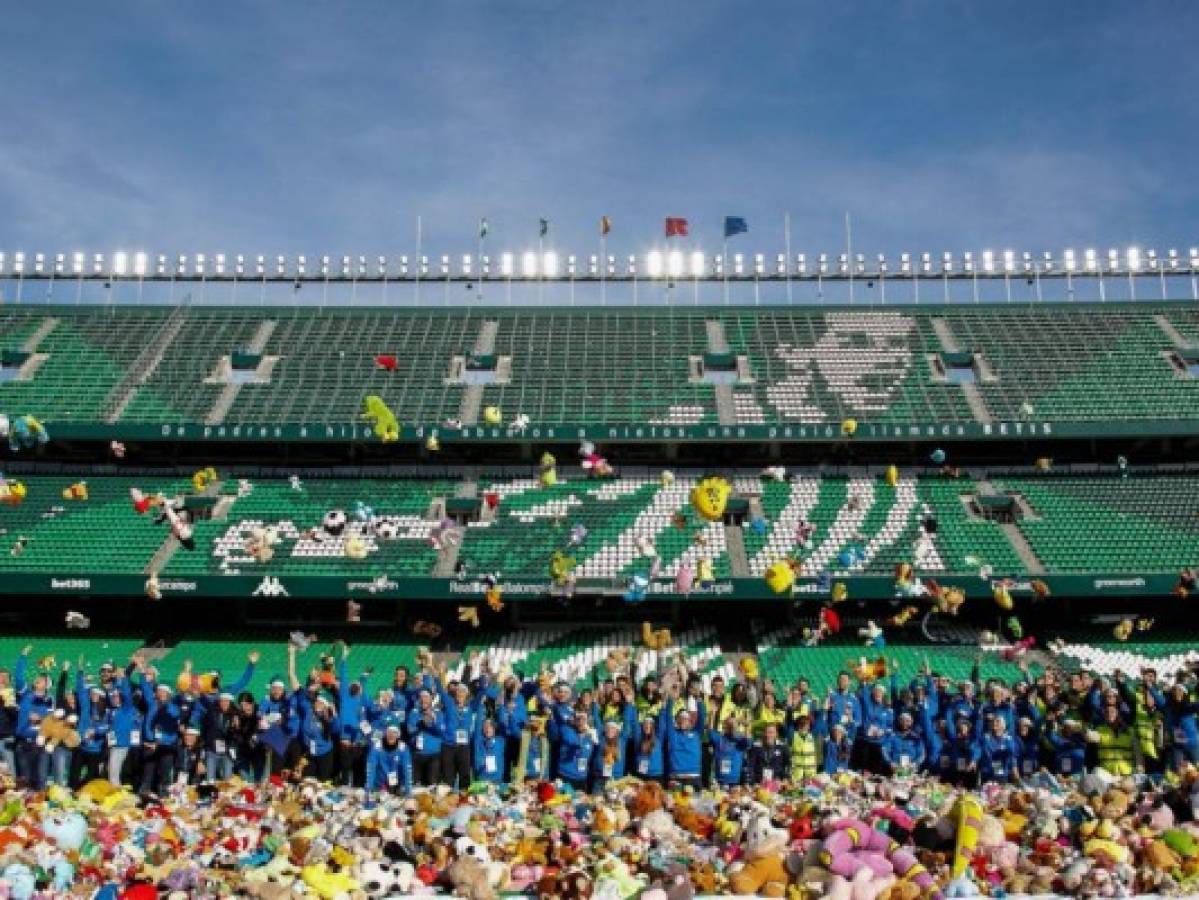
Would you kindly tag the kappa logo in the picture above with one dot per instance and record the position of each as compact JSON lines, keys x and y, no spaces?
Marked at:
{"x":270,"y":586}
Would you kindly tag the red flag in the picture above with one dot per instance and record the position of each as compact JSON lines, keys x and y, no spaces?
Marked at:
{"x":676,"y":227}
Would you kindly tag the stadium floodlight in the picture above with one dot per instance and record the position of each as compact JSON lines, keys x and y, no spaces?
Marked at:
{"x":926,"y":262}
{"x":139,"y":264}
{"x":988,"y":260}
{"x":1026,"y":258}
{"x":181,"y":264}
{"x":1194,"y":254}
{"x":632,"y":264}
{"x":718,"y":264}
{"x":549,"y":264}
{"x":593,"y":265}
{"x":381,"y":264}
{"x":1173,"y":257}
{"x":39,"y":263}
{"x":843,"y":264}
{"x":698,"y":263}
{"x":1092,"y":259}
{"x":1113,"y":259}
{"x":905,"y":263}
{"x":1047,"y":261}
{"x":60,"y":263}
{"x":823,"y":263}
{"x":403,"y":265}
{"x":674,"y":263}
{"x":97,"y":262}
{"x":1151,"y":259}
{"x":77,"y":263}
{"x":445,"y":265}
{"x":18,"y":262}
{"x":572,"y":265}
{"x":466,"y":264}
{"x":201,"y":261}
{"x":759,"y":264}
{"x":738,"y":263}
{"x":946,"y":261}
{"x":611,"y":264}
{"x":968,"y":261}
{"x":220,"y":263}
{"x":1068,"y":259}
{"x":1009,"y":261}
{"x":3,"y":260}
{"x":506,"y":264}
{"x":860,"y":262}
{"x":653,"y":264}
{"x":528,"y":265}
{"x":1134,"y":259}
{"x":801,"y":263}
{"x":780,"y":264}
{"x":301,"y":265}
{"x":882,"y":263}
{"x":361,"y":265}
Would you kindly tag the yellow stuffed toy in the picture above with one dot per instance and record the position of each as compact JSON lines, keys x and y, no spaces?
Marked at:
{"x":849,"y":427}
{"x":549,"y":470}
{"x":380,"y":416}
{"x":839,"y":592}
{"x":12,"y":492}
{"x":655,"y":639}
{"x":710,"y":497}
{"x":327,"y":884}
{"x":749,"y":668}
{"x":1003,"y":597}
{"x":77,"y":491}
{"x":493,"y":415}
{"x":780,"y":577}
{"x":892,"y":475}
{"x":202,"y":479}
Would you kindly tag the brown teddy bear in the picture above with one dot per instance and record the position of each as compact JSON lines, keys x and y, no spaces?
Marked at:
{"x":57,"y":729}
{"x":649,"y":797}
{"x":469,"y":879}
{"x":763,"y":871}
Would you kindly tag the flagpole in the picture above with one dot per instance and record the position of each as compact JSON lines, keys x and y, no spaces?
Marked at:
{"x":603,"y":261}
{"x":787,"y":260}
{"x":417,"y":260}
{"x":540,"y":263}
{"x":849,"y":252}
{"x":724,"y":264}
{"x":479,"y":262}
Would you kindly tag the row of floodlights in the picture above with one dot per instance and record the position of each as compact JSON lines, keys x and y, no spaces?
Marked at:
{"x":656,"y":264}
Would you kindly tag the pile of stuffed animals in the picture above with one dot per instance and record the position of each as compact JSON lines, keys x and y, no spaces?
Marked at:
{"x":848,"y":837}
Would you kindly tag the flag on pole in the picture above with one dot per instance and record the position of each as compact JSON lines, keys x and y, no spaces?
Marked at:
{"x":545,"y":227}
{"x":482,"y":228}
{"x":605,"y":226}
{"x":676,"y":227}
{"x":734,"y":225}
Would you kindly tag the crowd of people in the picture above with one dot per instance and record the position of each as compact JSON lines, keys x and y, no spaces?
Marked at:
{"x":63,"y":725}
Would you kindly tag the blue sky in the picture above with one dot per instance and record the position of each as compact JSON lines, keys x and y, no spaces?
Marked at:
{"x":309,"y":128}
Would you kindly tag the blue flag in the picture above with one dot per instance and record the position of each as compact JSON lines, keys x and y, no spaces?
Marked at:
{"x":734,"y":225}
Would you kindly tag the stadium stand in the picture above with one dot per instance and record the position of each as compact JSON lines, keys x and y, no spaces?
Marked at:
{"x":1074,"y":523}
{"x":1061,"y":363}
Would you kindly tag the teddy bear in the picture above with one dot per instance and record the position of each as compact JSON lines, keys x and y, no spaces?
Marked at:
{"x":383,"y":877}
{"x":468,"y":876}
{"x":569,"y":884}
{"x":673,"y":884}
{"x":58,"y":729}
{"x":649,"y":797}
{"x":762,"y":870}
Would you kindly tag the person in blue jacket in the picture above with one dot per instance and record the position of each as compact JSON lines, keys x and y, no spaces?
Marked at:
{"x":34,"y":703}
{"x":426,"y":727}
{"x":838,"y":750}
{"x":729,"y":748}
{"x":93,"y":731}
{"x":1069,"y":746}
{"x":351,"y":713}
{"x":576,"y":744}
{"x":276,"y":713}
{"x":903,"y":749}
{"x":389,"y":763}
{"x":1028,"y":746}
{"x":460,"y":714}
{"x":488,"y":752}
{"x":511,"y":713}
{"x":999,"y":755}
{"x":683,"y":736}
{"x":124,"y":727}
{"x":997,"y":704}
{"x":319,"y":729}
{"x":162,"y":728}
{"x":846,"y":708}
{"x":878,"y":720}
{"x":607,"y":762}
{"x":963,"y":752}
{"x":648,"y":763}
{"x":1182,"y":728}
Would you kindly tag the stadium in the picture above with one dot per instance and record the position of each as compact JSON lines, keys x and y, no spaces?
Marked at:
{"x":619,"y":451}
{"x":676,"y":469}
